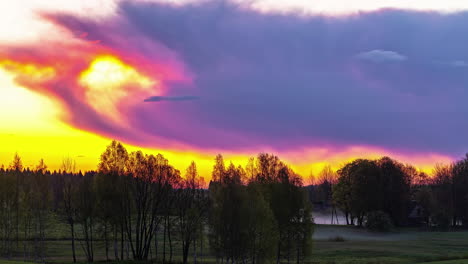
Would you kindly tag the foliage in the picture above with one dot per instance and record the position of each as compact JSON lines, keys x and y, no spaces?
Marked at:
{"x":372,"y":185}
{"x":139,"y":207}
{"x":379,"y":221}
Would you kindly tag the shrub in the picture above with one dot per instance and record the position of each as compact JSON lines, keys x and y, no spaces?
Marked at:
{"x":337,"y":239}
{"x":441,"y":221}
{"x":378,"y":221}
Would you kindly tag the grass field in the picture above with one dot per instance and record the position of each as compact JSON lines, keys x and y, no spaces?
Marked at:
{"x":332,"y":245}
{"x":403,"y":246}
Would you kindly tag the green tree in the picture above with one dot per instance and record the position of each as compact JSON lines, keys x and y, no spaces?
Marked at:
{"x":109,"y":190}
{"x":261,"y":227}
{"x":192,"y":205}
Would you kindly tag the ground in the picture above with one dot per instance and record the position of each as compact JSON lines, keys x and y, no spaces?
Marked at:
{"x":334,"y":245}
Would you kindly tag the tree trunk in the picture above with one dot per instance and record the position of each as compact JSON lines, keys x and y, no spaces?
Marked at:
{"x":122,"y":241}
{"x":278,"y":251}
{"x":156,"y":243}
{"x":72,"y":227}
{"x":106,"y":241}
{"x":170,"y":241}
{"x":185,"y":251}
{"x":298,"y":254}
{"x":195,"y":251}
{"x":164,"y":240}
{"x":116,"y":247}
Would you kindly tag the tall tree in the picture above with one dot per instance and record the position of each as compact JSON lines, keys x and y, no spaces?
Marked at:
{"x":16,"y":166}
{"x":192,"y":204}
{"x":460,"y":190}
{"x":151,"y":178}
{"x":111,"y":170}
{"x":69,"y":207}
{"x":86,"y":213}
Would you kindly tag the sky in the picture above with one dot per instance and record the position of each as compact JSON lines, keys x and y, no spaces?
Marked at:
{"x":315,"y":82}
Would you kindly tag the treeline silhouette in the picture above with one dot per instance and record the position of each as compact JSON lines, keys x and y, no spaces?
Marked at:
{"x":383,"y":193}
{"x":139,"y":207}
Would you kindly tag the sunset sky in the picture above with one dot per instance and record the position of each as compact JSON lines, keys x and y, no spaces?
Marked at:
{"x":315,"y":82}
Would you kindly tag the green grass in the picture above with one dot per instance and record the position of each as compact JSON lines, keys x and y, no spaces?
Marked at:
{"x":13,"y":262}
{"x":458,"y":261}
{"x":403,"y":246}
{"x":354,"y":246}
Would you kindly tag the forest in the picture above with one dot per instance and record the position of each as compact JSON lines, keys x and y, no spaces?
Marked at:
{"x":257,"y":214}
{"x":137,"y":207}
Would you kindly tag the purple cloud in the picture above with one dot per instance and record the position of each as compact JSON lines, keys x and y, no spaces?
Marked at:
{"x":288,"y":81}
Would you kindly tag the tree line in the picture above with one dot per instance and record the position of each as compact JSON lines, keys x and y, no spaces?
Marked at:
{"x":364,"y":189}
{"x":139,"y":207}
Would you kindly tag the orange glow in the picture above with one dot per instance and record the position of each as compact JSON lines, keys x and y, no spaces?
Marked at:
{"x":108,"y":80}
{"x":34,"y":73}
{"x":31,"y":124}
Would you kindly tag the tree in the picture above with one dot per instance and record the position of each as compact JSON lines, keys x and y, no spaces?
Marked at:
{"x":442,"y":186}
{"x":374,"y":185}
{"x":359,"y":189}
{"x":41,"y":197}
{"x":396,"y":184}
{"x":227,"y":221}
{"x":269,"y":218}
{"x":192,"y":204}
{"x":69,"y":208}
{"x":460,"y":190}
{"x":262,"y":233}
{"x":108,"y":203}
{"x":8,"y":208}
{"x":109,"y":190}
{"x":218,"y":168}
{"x":41,"y":167}
{"x":86,"y":213}
{"x":149,"y":184}
{"x":68,"y":165}
{"x":16,"y":166}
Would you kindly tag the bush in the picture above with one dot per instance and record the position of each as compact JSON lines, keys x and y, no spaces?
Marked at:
{"x":337,"y":239}
{"x":441,"y":221}
{"x":378,"y":221}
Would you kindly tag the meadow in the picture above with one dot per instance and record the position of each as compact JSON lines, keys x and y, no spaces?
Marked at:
{"x":331,"y":245}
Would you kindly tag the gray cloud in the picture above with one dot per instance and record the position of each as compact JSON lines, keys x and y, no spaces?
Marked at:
{"x":171,"y":98}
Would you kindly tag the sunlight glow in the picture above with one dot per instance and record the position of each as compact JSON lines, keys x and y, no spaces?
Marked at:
{"x":108,"y":80}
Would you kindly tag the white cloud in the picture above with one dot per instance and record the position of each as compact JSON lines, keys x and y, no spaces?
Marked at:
{"x":346,"y":6}
{"x":21,"y":23}
{"x":458,"y":63}
{"x":380,"y":56}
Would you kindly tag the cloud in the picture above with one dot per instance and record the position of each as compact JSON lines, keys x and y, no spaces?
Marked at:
{"x":380,"y":56}
{"x":458,"y":63}
{"x":272,"y":81}
{"x":170,"y":98}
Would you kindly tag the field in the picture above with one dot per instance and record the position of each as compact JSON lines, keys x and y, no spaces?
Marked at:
{"x":341,"y":244}
{"x":333,"y":245}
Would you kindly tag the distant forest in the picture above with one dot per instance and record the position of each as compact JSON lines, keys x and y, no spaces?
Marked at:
{"x":139,"y":207}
